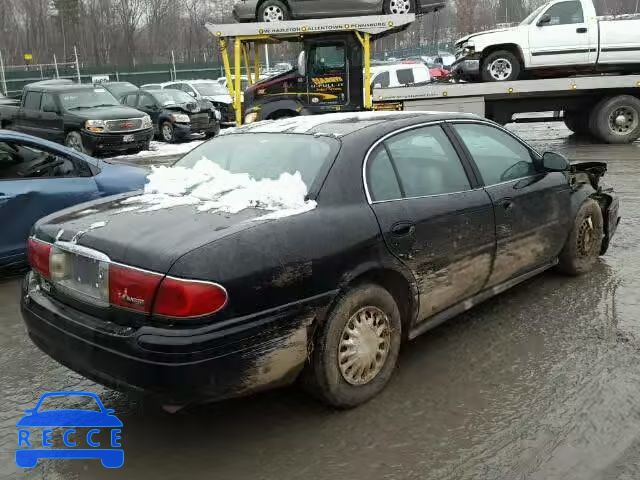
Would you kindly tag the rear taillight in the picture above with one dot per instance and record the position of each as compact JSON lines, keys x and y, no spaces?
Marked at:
{"x":132,"y":288}
{"x":39,"y":253}
{"x":182,"y":298}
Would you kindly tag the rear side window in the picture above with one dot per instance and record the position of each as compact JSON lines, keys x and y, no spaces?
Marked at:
{"x":382,"y":180}
{"x":32,"y":100}
{"x":381,"y":80}
{"x":405,"y":76}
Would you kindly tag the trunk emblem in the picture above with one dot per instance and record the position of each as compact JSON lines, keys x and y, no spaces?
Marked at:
{"x":124,"y":296}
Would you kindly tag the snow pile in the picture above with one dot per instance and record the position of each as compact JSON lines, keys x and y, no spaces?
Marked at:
{"x":209,"y":187}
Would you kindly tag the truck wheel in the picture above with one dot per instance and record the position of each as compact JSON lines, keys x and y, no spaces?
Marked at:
{"x":396,"y":7}
{"x":577,"y":121}
{"x":273,"y":11}
{"x":356,"y":348}
{"x":166,"y":132}
{"x":74,"y":140}
{"x":500,"y":66}
{"x":584,"y":244}
{"x":616,"y":119}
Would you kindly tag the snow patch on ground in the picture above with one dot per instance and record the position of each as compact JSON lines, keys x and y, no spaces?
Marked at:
{"x":209,"y":187}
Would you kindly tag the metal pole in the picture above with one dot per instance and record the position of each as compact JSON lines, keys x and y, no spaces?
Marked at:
{"x":2,"y":78}
{"x":41,"y":75}
{"x":75,"y":52}
{"x":237,"y":52}
{"x":266,"y":56}
{"x":173,"y":64}
{"x":55,"y":65}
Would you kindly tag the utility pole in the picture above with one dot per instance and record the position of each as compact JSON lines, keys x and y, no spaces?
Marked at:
{"x":55,"y":64}
{"x":75,"y":52}
{"x":2,"y":79}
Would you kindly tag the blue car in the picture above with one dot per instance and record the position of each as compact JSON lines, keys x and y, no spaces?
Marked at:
{"x":38,"y":177}
{"x":27,"y":453}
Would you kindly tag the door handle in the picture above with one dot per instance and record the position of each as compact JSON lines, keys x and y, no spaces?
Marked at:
{"x":581,"y":30}
{"x":506,"y":204}
{"x":402,"y":229}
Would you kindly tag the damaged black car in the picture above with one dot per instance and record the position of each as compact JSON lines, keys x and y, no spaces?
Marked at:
{"x":174,"y":114}
{"x":308,"y":249}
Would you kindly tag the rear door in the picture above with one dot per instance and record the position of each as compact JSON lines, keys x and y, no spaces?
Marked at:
{"x":565,"y":39}
{"x":432,"y":215}
{"x":33,"y":183}
{"x":531,"y":206}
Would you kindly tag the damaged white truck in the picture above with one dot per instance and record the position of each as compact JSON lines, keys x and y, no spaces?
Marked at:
{"x":562,"y":37}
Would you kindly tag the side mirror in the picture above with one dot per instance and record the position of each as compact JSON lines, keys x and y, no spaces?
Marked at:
{"x":193,"y":94}
{"x":554,"y":162}
{"x":302,"y":64}
{"x":544,"y":19}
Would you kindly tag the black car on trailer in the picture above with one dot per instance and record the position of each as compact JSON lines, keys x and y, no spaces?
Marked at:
{"x":175,"y":114}
{"x":417,"y":217}
{"x":84,"y":117}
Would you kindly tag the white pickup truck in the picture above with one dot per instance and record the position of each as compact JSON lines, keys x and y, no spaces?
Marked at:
{"x":563,"y":36}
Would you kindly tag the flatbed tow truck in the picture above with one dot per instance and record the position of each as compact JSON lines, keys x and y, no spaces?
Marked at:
{"x":335,"y":66}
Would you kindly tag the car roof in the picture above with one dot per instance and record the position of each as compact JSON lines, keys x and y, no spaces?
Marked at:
{"x":341,"y":124}
{"x":61,"y":87}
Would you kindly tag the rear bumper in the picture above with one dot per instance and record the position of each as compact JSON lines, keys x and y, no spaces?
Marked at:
{"x":179,"y":366}
{"x":114,"y":142}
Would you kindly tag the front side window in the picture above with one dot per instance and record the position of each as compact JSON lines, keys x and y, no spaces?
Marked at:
{"x":565,"y":13}
{"x":499,"y":156}
{"x":32,"y":100}
{"x":48,"y":103}
{"x":381,"y":80}
{"x":426,"y":164}
{"x":327,"y":59}
{"x":146,"y":101}
{"x":131,"y":99}
{"x":405,"y":76}
{"x":20,"y":162}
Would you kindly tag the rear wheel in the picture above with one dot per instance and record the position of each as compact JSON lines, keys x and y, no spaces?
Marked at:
{"x":74,"y":140}
{"x":397,"y":7}
{"x":356,"y":348}
{"x":273,"y":11}
{"x":616,"y":119}
{"x":584,"y":244}
{"x":500,"y":66}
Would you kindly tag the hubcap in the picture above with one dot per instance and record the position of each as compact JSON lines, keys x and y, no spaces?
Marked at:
{"x":74,"y":143}
{"x":166,"y":132}
{"x":400,"y":6}
{"x":273,"y":14}
{"x":586,"y":238}
{"x":623,"y":120}
{"x":364,"y":345}
{"x":500,"y":69}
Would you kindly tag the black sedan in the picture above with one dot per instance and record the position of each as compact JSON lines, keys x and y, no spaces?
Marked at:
{"x":279,"y":10}
{"x":308,"y":248}
{"x":174,"y":114}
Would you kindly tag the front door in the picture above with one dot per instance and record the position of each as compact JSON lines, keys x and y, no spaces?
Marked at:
{"x":51,"y":123}
{"x":30,"y":114}
{"x":431,"y":216}
{"x":327,"y":77}
{"x":564,"y":39}
{"x":530,"y":205}
{"x":33,"y":183}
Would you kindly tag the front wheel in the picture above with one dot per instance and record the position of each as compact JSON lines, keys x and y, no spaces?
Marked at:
{"x":356,"y":348}
{"x":500,"y":66}
{"x":398,"y":7}
{"x":167,"y":132}
{"x":584,"y":244}
{"x":273,"y":11}
{"x":74,"y":141}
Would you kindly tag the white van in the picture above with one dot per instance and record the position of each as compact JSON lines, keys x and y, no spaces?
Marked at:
{"x":399,"y":75}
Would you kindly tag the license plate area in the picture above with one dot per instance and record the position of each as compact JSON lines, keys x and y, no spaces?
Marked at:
{"x":128,"y":138}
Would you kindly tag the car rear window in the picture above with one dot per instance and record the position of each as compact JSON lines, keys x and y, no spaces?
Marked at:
{"x":267,"y":155}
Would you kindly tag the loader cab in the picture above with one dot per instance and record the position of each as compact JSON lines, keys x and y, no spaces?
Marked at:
{"x":327,"y":78}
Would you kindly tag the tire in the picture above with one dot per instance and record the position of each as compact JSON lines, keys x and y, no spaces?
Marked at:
{"x":213,"y":133}
{"x":577,"y":121}
{"x":74,"y":141}
{"x":500,"y":66}
{"x":394,"y":7}
{"x":273,"y":11}
{"x":167,"y":133}
{"x":583,"y":247}
{"x":323,"y":376}
{"x":616,"y":119}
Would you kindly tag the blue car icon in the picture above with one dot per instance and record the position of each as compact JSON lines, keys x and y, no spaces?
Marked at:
{"x":110,"y":457}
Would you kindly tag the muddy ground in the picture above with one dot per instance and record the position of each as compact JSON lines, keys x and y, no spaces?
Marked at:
{"x":542,"y":382}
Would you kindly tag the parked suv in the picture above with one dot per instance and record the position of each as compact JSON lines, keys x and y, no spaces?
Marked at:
{"x":208,"y":90}
{"x":86,"y":118}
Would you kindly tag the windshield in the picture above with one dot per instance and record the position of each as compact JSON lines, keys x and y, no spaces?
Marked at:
{"x":266,"y":155}
{"x":98,"y":97}
{"x":210,"y":88}
{"x":171,"y":97}
{"x":532,"y":15}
